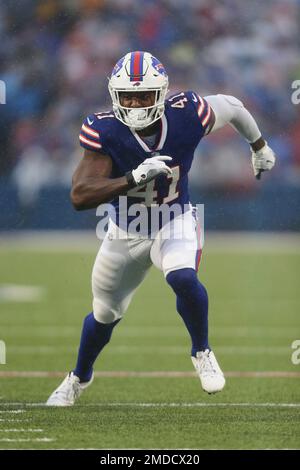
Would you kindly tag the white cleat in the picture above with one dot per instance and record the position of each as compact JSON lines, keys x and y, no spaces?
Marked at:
{"x":211,"y":377}
{"x":68,"y":391}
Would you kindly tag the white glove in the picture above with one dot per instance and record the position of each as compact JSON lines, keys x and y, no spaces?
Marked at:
{"x":150,"y":168}
{"x":263,"y":160}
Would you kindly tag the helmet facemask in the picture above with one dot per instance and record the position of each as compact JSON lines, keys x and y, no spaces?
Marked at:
{"x":139,"y":118}
{"x":138,"y":72}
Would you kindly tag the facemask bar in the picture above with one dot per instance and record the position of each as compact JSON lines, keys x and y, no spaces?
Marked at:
{"x":153,"y":113}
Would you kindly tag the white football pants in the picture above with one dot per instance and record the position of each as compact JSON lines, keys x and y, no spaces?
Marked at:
{"x":123,"y":261}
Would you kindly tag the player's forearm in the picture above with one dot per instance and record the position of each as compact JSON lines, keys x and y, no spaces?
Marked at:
{"x":89,"y":193}
{"x":230,"y":110}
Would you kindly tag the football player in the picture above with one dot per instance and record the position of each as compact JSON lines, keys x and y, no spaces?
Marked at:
{"x":143,"y":150}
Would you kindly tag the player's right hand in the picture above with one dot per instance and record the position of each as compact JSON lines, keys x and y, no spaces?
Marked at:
{"x":150,"y":169}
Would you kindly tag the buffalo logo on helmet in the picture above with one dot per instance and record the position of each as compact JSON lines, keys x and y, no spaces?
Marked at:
{"x":118,"y":66}
{"x":158,"y":66}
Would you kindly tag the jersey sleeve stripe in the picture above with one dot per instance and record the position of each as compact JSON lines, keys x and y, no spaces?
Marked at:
{"x":90,"y":131}
{"x":89,"y":137}
{"x":89,"y":142}
{"x":204,"y":111}
{"x":206,"y":118}
{"x":200,"y":107}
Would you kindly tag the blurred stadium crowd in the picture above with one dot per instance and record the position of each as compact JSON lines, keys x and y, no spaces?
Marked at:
{"x":55,"y":56}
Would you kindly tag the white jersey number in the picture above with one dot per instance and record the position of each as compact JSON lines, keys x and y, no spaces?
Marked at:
{"x":180,"y":102}
{"x":148,"y":193}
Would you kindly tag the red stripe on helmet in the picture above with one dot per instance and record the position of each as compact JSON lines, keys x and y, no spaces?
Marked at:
{"x":137,"y":72}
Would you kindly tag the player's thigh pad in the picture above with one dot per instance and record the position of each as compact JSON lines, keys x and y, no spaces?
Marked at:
{"x":115,"y":277}
{"x":179,"y":244}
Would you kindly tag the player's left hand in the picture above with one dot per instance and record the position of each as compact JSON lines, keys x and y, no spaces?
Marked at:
{"x":263,"y":160}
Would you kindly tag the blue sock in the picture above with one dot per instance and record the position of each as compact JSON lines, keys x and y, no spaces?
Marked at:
{"x":94,"y":337}
{"x":192,"y":305}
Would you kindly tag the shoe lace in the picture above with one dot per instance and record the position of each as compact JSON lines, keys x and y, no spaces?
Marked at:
{"x":72,"y":391}
{"x":205,"y":364}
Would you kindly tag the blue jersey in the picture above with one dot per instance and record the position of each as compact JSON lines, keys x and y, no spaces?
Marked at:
{"x":187,"y":118}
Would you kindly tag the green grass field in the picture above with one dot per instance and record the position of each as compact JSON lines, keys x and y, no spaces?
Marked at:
{"x":254,"y":318}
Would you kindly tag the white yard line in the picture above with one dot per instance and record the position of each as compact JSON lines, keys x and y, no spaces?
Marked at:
{"x":170,"y":350}
{"x":13,"y":420}
{"x":151,"y":374}
{"x":21,"y":430}
{"x":21,"y":293}
{"x":41,"y":439}
{"x":171,"y":405}
{"x":52,"y":331}
{"x":12,"y":411}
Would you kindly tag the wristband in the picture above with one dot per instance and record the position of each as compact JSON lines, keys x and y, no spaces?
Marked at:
{"x":130,"y":179}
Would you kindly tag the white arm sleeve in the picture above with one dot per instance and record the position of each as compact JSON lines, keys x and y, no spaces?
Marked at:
{"x":230,"y":110}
